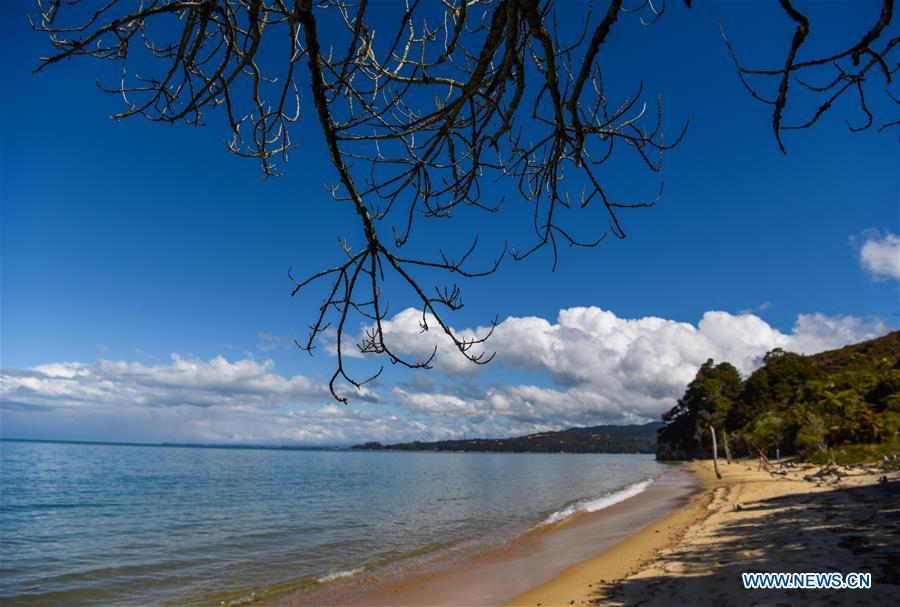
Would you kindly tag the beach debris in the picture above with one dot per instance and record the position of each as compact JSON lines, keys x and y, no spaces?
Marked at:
{"x":825,"y":473}
{"x":764,"y":463}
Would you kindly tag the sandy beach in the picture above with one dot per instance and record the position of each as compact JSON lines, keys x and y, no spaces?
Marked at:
{"x":800,"y":519}
{"x":681,"y":542}
{"x":493,"y":575}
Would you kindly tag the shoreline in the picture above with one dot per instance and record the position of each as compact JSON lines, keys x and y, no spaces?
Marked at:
{"x":682,"y":544}
{"x":592,"y":579}
{"x":799,"y":519}
{"x":492,"y":574}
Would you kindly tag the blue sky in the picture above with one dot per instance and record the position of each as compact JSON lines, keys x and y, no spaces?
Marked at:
{"x":132,"y":242}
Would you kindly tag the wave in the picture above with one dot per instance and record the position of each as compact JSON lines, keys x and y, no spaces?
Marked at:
{"x":599,"y":503}
{"x":339,"y":575}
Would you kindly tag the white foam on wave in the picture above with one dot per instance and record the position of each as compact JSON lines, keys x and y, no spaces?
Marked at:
{"x":340,"y":574}
{"x":599,"y":503}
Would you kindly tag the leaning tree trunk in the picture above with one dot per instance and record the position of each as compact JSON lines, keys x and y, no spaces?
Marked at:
{"x":725,"y":444}
{"x":712,"y":431}
{"x":763,"y":460}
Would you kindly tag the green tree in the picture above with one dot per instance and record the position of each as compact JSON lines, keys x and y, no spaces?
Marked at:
{"x":774,"y":387}
{"x":811,"y":435}
{"x":843,"y":405}
{"x":886,"y":393}
{"x":753,"y":399}
{"x":707,"y":402}
{"x":768,"y":432}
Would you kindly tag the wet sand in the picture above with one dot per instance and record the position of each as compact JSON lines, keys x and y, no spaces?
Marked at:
{"x":495,"y":575}
{"x":801,"y":519}
{"x":676,"y":544}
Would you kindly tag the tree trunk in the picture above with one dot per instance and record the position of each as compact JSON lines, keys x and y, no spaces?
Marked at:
{"x":712,"y":431}
{"x":725,"y":444}
{"x":763,"y":460}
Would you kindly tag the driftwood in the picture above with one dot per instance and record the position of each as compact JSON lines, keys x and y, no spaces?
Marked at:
{"x":764,"y":462}
{"x":824,"y":474}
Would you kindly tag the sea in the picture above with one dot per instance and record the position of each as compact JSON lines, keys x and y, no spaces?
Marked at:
{"x":99,"y":524}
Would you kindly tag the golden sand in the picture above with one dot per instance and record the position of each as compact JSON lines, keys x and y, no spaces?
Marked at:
{"x":799,"y":519}
{"x":491,"y":574}
{"x":750,"y":520}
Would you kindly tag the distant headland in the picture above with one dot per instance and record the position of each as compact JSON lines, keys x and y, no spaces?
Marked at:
{"x":636,"y":438}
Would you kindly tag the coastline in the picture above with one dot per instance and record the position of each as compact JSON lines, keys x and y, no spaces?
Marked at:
{"x":592,"y":579}
{"x":684,"y":543}
{"x":492,"y":574}
{"x":799,"y":519}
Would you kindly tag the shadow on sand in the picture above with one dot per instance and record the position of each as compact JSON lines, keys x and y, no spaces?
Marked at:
{"x":843,"y":530}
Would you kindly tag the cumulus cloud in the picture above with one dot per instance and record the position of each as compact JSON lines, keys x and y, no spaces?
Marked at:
{"x":587,"y":366}
{"x":504,"y":410}
{"x":215,"y":401}
{"x":603,"y":368}
{"x":880,"y":256}
{"x":185,"y":400}
{"x":405,"y":335}
{"x":586,"y":340}
{"x":183,"y":382}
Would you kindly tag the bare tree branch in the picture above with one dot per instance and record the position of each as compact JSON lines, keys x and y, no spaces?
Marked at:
{"x":852,"y":67}
{"x":453,"y":95}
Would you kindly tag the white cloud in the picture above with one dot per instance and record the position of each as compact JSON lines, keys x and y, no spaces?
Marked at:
{"x":818,"y":332}
{"x":603,"y":368}
{"x":186,"y":400}
{"x":188,"y":382}
{"x":880,"y":256}
{"x":588,"y":366}
{"x":404,"y":335}
{"x":585,"y":342}
{"x":766,"y":305}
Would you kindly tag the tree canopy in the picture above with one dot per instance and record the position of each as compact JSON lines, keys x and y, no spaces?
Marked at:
{"x":707,"y":402}
{"x":845,"y":401}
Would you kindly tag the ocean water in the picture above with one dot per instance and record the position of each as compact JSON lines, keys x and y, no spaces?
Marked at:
{"x":84,"y":524}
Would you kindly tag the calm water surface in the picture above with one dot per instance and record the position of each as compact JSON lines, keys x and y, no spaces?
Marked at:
{"x":130,"y":525}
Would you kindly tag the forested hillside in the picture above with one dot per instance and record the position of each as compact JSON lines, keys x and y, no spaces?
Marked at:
{"x":593,"y":439}
{"x":842,"y":405}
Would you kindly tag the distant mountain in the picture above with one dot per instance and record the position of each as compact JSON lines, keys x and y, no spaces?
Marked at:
{"x":593,"y":439}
